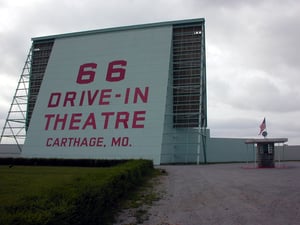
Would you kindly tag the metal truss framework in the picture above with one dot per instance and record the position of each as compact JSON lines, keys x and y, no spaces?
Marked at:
{"x":21,"y":108}
{"x":14,"y":126}
{"x":189,"y":78}
{"x":189,"y":81}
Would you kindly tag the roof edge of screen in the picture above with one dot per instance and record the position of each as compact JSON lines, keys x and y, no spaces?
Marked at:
{"x":131,"y":27}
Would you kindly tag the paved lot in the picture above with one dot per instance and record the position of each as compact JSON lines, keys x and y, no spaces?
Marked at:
{"x":228,"y":194}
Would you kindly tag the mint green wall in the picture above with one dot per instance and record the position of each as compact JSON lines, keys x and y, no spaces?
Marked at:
{"x":180,"y":145}
{"x":228,"y":150}
{"x":147,"y":52}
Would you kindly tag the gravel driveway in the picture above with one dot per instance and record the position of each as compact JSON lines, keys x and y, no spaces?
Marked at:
{"x":227,"y":194}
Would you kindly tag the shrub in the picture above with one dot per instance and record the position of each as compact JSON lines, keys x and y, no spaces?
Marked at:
{"x":87,"y":200}
{"x":60,"y":162}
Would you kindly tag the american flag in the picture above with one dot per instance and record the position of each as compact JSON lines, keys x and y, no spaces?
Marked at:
{"x":262,"y":126}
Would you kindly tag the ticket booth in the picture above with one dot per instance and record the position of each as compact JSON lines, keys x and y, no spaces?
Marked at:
{"x":265,"y":151}
{"x":265,"y":155}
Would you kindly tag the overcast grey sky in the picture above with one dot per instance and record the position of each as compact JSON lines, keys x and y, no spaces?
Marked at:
{"x":252,"y":52}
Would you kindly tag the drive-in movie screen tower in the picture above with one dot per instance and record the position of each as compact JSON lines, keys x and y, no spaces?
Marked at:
{"x":119,"y":93}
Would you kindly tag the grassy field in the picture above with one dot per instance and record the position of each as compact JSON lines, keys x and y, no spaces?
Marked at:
{"x":64,"y":195}
{"x":21,"y":181}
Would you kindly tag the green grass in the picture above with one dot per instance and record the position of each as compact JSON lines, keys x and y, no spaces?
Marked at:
{"x":21,"y":181}
{"x":65,"y":195}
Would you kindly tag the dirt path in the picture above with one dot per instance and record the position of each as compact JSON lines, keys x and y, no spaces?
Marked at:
{"x":227,"y":194}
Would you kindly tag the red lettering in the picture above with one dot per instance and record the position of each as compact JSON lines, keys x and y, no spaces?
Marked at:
{"x":70,"y":97}
{"x":103,"y":96}
{"x":82,"y":97}
{"x":91,"y":98}
{"x":115,"y":141}
{"x":106,"y":119}
{"x":48,"y":117}
{"x":48,"y":144}
{"x":63,"y":142}
{"x":54,"y":99}
{"x":120,"y":141}
{"x":86,"y":73}
{"x":114,"y":73}
{"x":122,"y":117}
{"x":138,"y":116}
{"x":126,"y":99}
{"x":71,"y":122}
{"x":90,"y":121}
{"x":92,"y":142}
{"x":56,"y":142}
{"x":84,"y":142}
{"x":75,"y":142}
{"x":142,"y":95}
{"x":62,"y":120}
{"x":74,"y":120}
{"x":100,"y":141}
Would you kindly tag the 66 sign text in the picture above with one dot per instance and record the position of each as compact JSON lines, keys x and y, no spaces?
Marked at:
{"x":115,"y":72}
